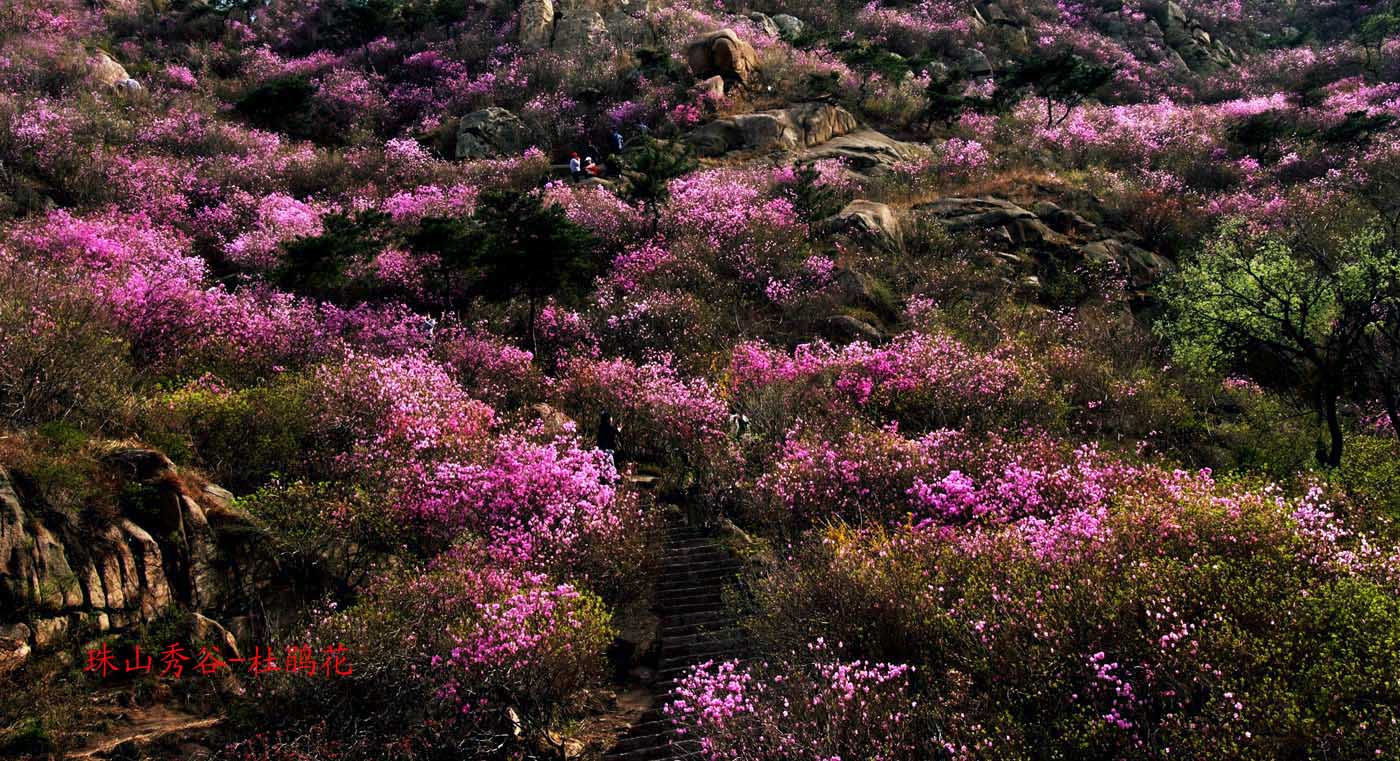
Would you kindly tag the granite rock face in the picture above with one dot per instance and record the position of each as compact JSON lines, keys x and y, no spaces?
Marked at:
{"x":490,"y":133}
{"x":59,"y":572}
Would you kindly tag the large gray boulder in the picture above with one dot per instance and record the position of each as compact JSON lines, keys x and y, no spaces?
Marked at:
{"x":491,"y":132}
{"x":765,"y":24}
{"x":871,"y":222}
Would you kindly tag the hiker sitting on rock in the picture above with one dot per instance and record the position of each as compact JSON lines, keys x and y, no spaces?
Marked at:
{"x":591,"y":167}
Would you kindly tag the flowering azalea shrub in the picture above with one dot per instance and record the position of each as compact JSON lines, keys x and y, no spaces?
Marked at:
{"x":663,"y":417}
{"x":926,"y":380}
{"x":823,"y":709}
{"x":1184,"y":622}
{"x":947,"y":478}
{"x":553,"y":505}
{"x":479,"y":651}
{"x":489,"y":368}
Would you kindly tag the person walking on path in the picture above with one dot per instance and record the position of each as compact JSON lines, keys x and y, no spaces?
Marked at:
{"x":575,"y":167}
{"x":608,"y":433}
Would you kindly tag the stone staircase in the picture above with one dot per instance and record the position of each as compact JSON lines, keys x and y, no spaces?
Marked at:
{"x":695,"y":628}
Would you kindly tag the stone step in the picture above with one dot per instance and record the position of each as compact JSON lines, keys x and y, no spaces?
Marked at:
{"x":695,"y":572}
{"x":720,"y":649}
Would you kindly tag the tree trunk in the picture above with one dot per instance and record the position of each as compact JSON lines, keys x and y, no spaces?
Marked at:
{"x":1334,"y":428}
{"x":534,"y":342}
{"x":1392,"y":407}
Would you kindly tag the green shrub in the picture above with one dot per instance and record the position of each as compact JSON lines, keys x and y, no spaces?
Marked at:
{"x":1370,"y":474}
{"x":60,"y":359}
{"x":1215,"y":629}
{"x":239,"y":437}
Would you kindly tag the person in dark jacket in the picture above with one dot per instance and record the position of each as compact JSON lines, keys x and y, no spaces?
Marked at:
{"x":608,"y":433}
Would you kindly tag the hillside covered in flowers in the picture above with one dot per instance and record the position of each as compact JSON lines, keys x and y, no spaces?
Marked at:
{"x":740,"y":380}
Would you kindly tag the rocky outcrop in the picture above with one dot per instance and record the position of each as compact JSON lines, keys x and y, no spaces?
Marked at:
{"x":866,"y":151}
{"x":765,"y":24}
{"x":723,"y":53}
{"x":491,"y":132}
{"x":580,"y":31}
{"x":1192,"y":44}
{"x":59,"y":573}
{"x":789,"y":129}
{"x":576,"y":25}
{"x":535,"y":22}
{"x":870,"y":222}
{"x":1026,"y":239}
{"x":789,"y":26}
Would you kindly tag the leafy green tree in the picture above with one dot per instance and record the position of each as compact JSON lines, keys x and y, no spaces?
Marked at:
{"x":320,"y":265}
{"x":647,"y":170}
{"x":1372,"y":33}
{"x":811,"y":198}
{"x":1062,"y":79}
{"x":529,"y":249}
{"x":1383,"y":374}
{"x":1296,"y":313}
{"x":943,"y":98}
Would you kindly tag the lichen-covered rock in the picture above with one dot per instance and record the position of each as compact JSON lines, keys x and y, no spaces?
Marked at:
{"x":765,"y":24}
{"x":801,"y":126}
{"x":866,"y":151}
{"x":722,"y":52}
{"x":535,"y":20}
{"x":57,"y":572}
{"x":105,"y":71}
{"x":788,"y":25}
{"x":870,"y":221}
{"x":491,"y":132}
{"x":580,"y":31}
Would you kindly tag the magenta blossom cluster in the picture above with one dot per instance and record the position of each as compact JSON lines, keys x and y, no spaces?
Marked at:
{"x":823,"y":710}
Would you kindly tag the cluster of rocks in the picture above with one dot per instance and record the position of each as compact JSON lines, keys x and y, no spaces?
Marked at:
{"x":804,"y":125}
{"x":780,"y":26}
{"x":577,"y":25}
{"x":1182,"y":40}
{"x":191,"y":549}
{"x":1022,"y":239}
{"x":1188,"y":43}
{"x":808,"y":132}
